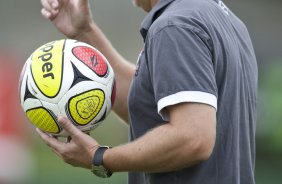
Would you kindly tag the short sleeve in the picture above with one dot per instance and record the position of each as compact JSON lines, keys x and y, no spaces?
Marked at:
{"x":181,"y":68}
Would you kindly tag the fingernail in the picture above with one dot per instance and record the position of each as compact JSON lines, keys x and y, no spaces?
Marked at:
{"x":61,"y":119}
{"x":48,"y":14}
{"x":59,"y":116}
{"x":54,"y":4}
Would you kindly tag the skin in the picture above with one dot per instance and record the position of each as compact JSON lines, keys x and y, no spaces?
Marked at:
{"x":146,"y":5}
{"x":187,"y":139}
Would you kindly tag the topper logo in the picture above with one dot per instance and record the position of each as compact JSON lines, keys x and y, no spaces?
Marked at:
{"x":47,"y":67}
{"x":46,"y":57}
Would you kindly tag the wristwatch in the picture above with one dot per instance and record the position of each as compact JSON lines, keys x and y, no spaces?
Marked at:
{"x":97,"y":164}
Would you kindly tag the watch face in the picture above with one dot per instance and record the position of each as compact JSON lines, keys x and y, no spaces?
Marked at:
{"x":100,"y":171}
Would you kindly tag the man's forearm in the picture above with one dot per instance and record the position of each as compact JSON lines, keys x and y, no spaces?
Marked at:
{"x":160,"y":150}
{"x":187,"y":139}
{"x":124,"y":70}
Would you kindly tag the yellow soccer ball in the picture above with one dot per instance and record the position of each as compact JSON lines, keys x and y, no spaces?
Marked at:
{"x":70,"y":78}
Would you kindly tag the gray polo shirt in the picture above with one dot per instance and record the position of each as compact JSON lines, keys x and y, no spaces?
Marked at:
{"x":198,"y":51}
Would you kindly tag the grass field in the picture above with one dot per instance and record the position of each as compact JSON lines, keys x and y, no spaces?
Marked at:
{"x":51,"y":170}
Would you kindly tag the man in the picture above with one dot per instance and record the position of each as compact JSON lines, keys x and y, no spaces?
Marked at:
{"x":192,"y":101}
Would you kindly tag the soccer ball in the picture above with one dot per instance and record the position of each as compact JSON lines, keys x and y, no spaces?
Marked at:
{"x":70,"y":78}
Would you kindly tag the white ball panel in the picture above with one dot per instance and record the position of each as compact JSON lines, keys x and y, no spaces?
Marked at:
{"x":31,"y":103}
{"x":52,"y":107}
{"x":68,"y":77}
{"x":109,"y":89}
{"x":23,"y":81}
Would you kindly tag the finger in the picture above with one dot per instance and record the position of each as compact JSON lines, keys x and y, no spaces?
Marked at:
{"x":46,"y":14}
{"x":47,"y":4}
{"x":50,"y":4}
{"x":69,"y":127}
{"x":49,"y":15}
{"x":57,"y":153}
{"x":50,"y":8}
{"x":54,"y":4}
{"x":50,"y":141}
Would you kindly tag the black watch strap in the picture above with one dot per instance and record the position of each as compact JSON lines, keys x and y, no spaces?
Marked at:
{"x":98,"y":157}
{"x":97,"y":163}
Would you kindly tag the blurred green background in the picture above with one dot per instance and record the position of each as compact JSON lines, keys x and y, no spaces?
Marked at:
{"x":22,"y":29}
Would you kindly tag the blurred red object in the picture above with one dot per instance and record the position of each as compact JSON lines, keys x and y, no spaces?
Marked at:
{"x":16,"y":160}
{"x":11,"y":115}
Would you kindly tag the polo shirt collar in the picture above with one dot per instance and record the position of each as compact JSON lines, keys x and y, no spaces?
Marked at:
{"x":151,"y":16}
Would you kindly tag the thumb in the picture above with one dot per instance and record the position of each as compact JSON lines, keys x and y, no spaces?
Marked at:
{"x":67,"y":125}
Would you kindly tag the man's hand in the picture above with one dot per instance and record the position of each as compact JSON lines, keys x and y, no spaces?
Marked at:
{"x":78,"y":151}
{"x":71,"y":17}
